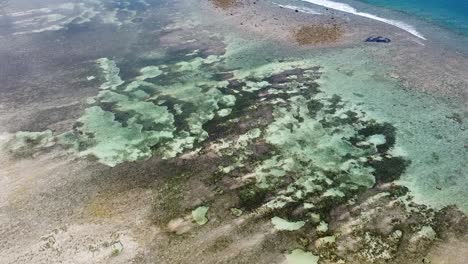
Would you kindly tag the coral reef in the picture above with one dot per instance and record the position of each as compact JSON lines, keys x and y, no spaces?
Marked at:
{"x":26,"y":143}
{"x":278,"y":160}
{"x":131,"y":120}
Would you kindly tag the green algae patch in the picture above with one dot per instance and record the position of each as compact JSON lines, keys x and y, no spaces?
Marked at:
{"x":111,"y":74}
{"x":199,"y":215}
{"x":324,"y":150}
{"x":322,"y":227}
{"x":160,"y":112}
{"x":224,"y":112}
{"x":422,"y":125}
{"x":149,"y":72}
{"x":299,"y":256}
{"x":316,"y":154}
{"x":236,"y":212}
{"x":116,"y":248}
{"x":27,"y":143}
{"x":251,"y":197}
{"x":285,"y":225}
{"x":109,"y":141}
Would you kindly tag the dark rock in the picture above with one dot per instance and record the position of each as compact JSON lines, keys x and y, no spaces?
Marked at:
{"x":378,"y":39}
{"x":385,"y":129}
{"x":389,"y":169}
{"x":137,"y":20}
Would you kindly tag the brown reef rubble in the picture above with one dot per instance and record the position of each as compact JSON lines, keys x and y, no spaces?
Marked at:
{"x":318,"y":34}
{"x":225,"y":4}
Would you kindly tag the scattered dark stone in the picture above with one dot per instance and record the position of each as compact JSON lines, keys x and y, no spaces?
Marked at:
{"x":352,"y":118}
{"x":90,"y":135}
{"x":137,"y":20}
{"x":378,"y":39}
{"x":334,"y":100}
{"x":77,"y":124}
{"x":219,"y":126}
{"x":389,"y":169}
{"x":399,"y":191}
{"x":223,"y":76}
{"x":261,"y":150}
{"x":180,"y":120}
{"x":282,"y":77}
{"x":106,"y":106}
{"x":251,"y":197}
{"x":122,"y":117}
{"x":456,"y":117}
{"x":385,"y":129}
{"x":449,"y":222}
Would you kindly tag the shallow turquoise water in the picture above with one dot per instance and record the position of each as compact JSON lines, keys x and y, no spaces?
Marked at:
{"x":451,"y":14}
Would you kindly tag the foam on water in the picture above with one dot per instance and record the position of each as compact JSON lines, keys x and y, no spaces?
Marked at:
{"x":349,"y":9}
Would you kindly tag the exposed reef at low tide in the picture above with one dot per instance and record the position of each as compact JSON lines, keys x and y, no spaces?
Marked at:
{"x":200,"y":146}
{"x":311,"y":166}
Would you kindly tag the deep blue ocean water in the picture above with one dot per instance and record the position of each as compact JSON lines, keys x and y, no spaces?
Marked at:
{"x":451,"y":14}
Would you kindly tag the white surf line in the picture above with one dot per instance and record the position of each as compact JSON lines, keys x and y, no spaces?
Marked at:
{"x":300,"y":9}
{"x":349,"y":9}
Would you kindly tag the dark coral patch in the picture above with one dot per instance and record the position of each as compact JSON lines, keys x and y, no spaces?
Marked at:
{"x":385,"y":129}
{"x":389,"y":169}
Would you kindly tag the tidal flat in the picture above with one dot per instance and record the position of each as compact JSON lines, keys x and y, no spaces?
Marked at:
{"x":229,"y":131}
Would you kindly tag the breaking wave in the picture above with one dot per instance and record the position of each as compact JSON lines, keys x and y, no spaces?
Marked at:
{"x":300,"y":9}
{"x":349,"y":9}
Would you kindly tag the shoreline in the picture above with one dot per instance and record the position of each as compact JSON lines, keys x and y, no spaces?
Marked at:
{"x":351,"y":10}
{"x":424,"y":65}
